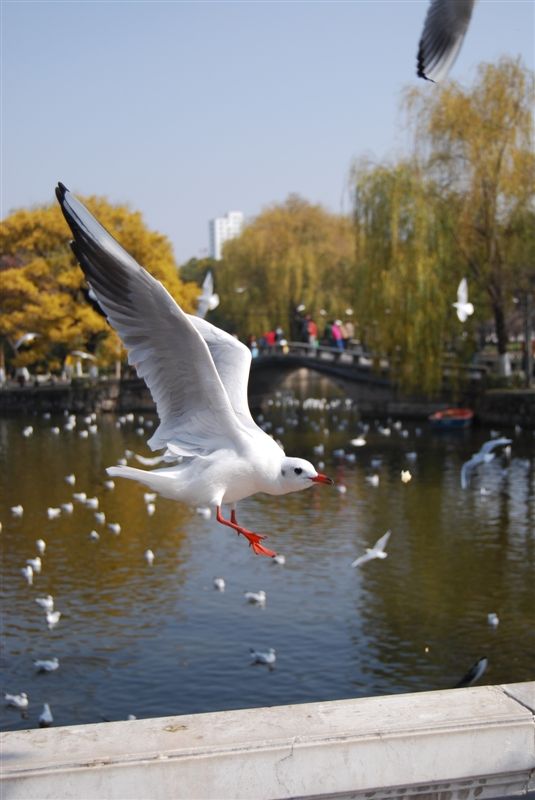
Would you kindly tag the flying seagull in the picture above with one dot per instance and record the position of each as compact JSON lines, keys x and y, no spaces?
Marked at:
{"x":207,"y":300}
{"x":197,"y":375}
{"x":377,"y":551}
{"x":463,"y":305}
{"x":444,"y":30}
{"x":483,"y":456}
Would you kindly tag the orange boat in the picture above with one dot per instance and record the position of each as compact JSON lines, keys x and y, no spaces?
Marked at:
{"x":452,"y":418}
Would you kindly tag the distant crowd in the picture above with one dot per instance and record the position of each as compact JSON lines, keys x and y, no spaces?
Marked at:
{"x":335,"y":333}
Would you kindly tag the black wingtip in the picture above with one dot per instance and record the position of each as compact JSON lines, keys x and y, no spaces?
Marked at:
{"x":61,"y":191}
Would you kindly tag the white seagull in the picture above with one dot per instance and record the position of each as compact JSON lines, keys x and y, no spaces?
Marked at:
{"x":483,"y":456}
{"x":45,"y":717}
{"x":46,"y":665}
{"x":219,"y":584}
{"x":377,"y":551}
{"x":197,"y":375}
{"x":208,"y":300}
{"x":19,"y":701}
{"x":463,"y":306}
{"x":445,"y":27}
{"x":52,"y":619}
{"x":149,"y":557}
{"x":41,"y":546}
{"x":47,"y":603}
{"x":259,"y":657}
{"x":257,"y":598}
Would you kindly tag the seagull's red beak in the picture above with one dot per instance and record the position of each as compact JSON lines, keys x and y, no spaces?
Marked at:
{"x":322,"y":479}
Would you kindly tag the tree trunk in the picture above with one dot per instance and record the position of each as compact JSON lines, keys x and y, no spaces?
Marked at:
{"x":504,"y":363}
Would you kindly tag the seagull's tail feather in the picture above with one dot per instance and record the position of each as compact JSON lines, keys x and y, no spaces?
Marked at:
{"x":158,"y":480}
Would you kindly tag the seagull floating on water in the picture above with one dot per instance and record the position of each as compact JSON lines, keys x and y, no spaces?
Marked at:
{"x":149,"y":557}
{"x":35,"y":564}
{"x":45,"y":717}
{"x":257,"y":598}
{"x":219,"y":584}
{"x":27,"y":572}
{"x":46,"y":665}
{"x":41,"y":546}
{"x":259,"y":657}
{"x":463,"y":306}
{"x":19,"y":701}
{"x":377,"y":551}
{"x":445,"y":27}
{"x":47,"y":603}
{"x":17,"y":511}
{"x":197,"y":375}
{"x":52,"y":619}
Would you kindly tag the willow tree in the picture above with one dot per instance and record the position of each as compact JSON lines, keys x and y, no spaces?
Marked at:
{"x":477,"y":146}
{"x":291,"y":254}
{"x":402,"y":257}
{"x":43,"y":290}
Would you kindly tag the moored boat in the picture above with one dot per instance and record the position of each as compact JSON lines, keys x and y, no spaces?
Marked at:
{"x":450,"y":418}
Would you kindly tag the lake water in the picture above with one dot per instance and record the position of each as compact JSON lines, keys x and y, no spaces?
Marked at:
{"x":159,"y":640}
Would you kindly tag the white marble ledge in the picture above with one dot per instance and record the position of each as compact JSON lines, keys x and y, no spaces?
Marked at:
{"x":461,"y":743}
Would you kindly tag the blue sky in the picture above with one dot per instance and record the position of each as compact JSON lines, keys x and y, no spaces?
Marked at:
{"x":186,"y":110}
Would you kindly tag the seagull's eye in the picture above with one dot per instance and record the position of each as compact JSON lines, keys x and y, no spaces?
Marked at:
{"x":298,"y":470}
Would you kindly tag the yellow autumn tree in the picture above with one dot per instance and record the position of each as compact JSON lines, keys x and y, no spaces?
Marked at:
{"x":293,"y":253}
{"x":476,"y":145}
{"x":43,"y":290}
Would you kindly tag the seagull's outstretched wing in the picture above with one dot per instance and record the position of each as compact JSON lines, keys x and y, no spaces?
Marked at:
{"x":368,"y":556}
{"x":462,"y":291}
{"x":232,"y":360}
{"x":489,"y":446}
{"x":164,"y":346}
{"x":380,"y":544}
{"x":445,"y":27}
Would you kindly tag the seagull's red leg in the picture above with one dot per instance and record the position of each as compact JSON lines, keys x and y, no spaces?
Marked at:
{"x":254,"y":539}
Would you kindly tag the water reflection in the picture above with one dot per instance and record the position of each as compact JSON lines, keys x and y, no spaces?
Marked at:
{"x":157,"y":640}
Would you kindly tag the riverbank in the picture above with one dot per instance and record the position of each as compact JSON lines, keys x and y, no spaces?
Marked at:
{"x":493,"y":407}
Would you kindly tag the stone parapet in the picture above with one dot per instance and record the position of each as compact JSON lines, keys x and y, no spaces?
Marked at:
{"x":461,"y":743}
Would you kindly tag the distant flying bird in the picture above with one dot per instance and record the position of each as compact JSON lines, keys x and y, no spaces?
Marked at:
{"x":377,"y":551}
{"x":445,"y":27}
{"x":46,"y":665}
{"x":259,"y":657}
{"x":197,"y":375}
{"x":208,"y":300}
{"x":483,"y":456}
{"x":19,"y":701}
{"x":45,"y":717}
{"x":26,"y":338}
{"x":474,"y":673}
{"x":463,"y":306}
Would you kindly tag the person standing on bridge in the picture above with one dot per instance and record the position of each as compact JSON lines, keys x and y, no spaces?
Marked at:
{"x":336,"y":334}
{"x":312,"y":331}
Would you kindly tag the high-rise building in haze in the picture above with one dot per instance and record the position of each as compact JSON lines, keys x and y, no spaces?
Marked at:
{"x":222,"y":229}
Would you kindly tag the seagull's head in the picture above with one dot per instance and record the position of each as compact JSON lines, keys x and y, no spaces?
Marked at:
{"x":297,"y":474}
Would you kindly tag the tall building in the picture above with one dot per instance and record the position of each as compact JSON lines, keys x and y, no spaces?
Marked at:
{"x":222,"y":229}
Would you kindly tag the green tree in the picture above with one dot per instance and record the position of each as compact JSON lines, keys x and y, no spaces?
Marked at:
{"x":292,"y":253}
{"x":403,"y":254}
{"x":42,"y":287}
{"x":476,"y":144}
